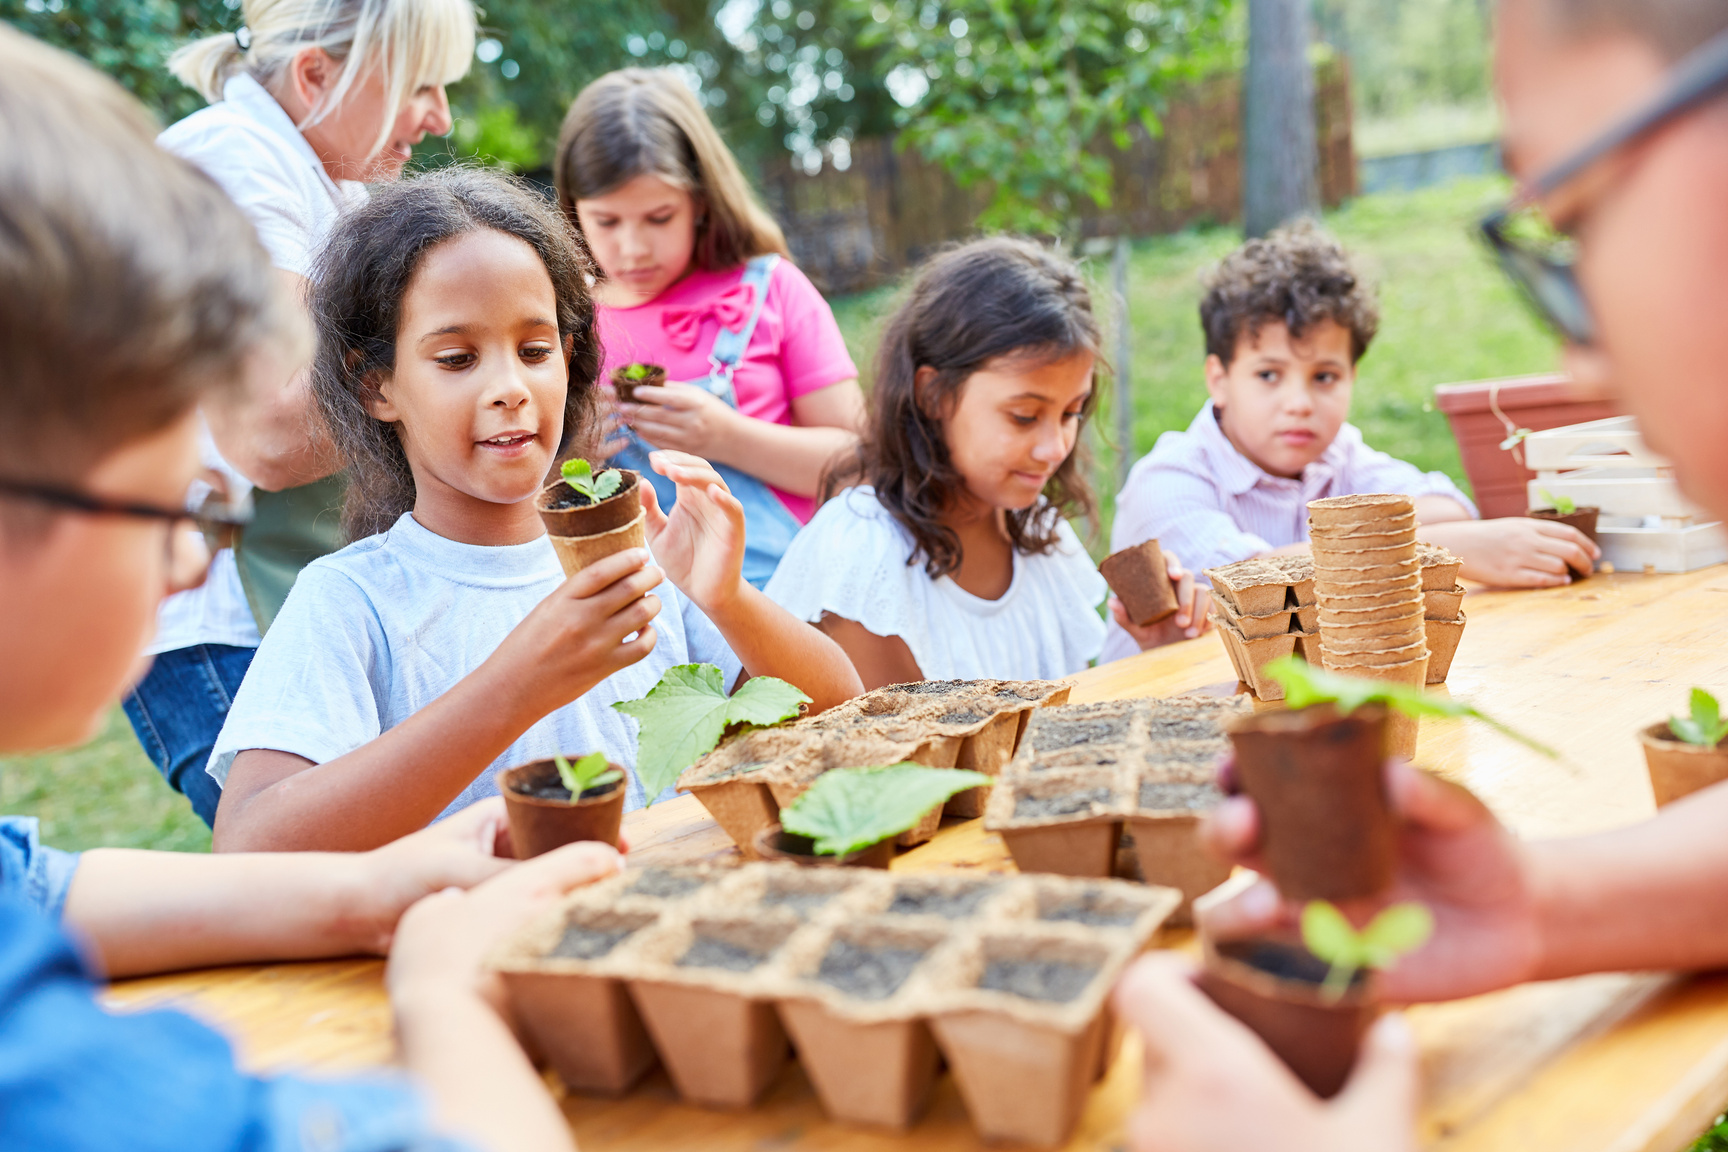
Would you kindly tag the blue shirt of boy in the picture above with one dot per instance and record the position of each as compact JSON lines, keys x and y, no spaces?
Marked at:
{"x":374,"y":633}
{"x":75,"y":1078}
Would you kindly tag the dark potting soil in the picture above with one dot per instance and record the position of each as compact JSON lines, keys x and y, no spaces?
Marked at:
{"x":1096,"y":909}
{"x":1019,"y":694}
{"x":556,"y":790}
{"x":1066,"y":804}
{"x":564,"y":496}
{"x":1067,"y":733}
{"x":1156,"y":796}
{"x":931,"y":687}
{"x":960,"y":716}
{"x":666,"y":883}
{"x":584,"y":943}
{"x":709,"y":952}
{"x":1284,"y":961}
{"x":1048,"y":980}
{"x":867,"y":973}
{"x":950,"y":904}
{"x":802,"y":903}
{"x":1187,"y":728}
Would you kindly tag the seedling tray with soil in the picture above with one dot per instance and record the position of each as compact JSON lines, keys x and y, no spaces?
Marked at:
{"x":1264,"y":585}
{"x":1173,"y":796}
{"x":1249,"y":657}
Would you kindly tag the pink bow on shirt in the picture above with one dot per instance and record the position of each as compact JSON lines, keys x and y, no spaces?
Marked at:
{"x":731,"y":308}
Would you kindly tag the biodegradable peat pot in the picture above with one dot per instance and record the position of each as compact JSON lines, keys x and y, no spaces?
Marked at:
{"x":1327,"y":556}
{"x":742,"y":808}
{"x":543,"y":816}
{"x":775,"y":843}
{"x":1066,"y":821}
{"x":1583,"y":519}
{"x":1327,"y":828}
{"x":1443,"y":637}
{"x":1443,"y":603}
{"x":1274,"y":988}
{"x":1169,"y":852}
{"x":1351,"y":513}
{"x":878,"y":1073}
{"x":1677,"y":768}
{"x":988,"y":750}
{"x":1083,"y":848}
{"x":625,"y":387}
{"x":1138,"y":578}
{"x":584,"y":533}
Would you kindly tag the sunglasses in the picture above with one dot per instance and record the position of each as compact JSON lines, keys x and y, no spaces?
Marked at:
{"x":1543,"y":262}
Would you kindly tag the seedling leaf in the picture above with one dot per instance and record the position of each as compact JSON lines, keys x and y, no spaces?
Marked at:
{"x":1326,"y":932}
{"x":636,"y":372}
{"x":1705,"y":726}
{"x":590,"y":771}
{"x":1306,"y":685}
{"x":683,"y":717}
{"x":579,"y":474}
{"x":575,"y":470}
{"x":1564,"y":505}
{"x":852,"y":808}
{"x":606,"y":484}
{"x":1399,"y":929}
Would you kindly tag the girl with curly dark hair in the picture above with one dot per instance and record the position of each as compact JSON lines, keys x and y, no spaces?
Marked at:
{"x":950,"y":554}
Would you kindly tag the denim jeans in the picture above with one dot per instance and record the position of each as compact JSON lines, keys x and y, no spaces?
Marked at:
{"x":178,"y":709}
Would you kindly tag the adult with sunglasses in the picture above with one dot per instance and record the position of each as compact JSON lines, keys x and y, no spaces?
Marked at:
{"x":1617,"y":129}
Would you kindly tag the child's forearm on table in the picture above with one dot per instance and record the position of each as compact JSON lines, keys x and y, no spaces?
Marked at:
{"x":770,"y":641}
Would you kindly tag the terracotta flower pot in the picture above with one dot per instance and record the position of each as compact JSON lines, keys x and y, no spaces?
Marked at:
{"x":543,"y":816}
{"x":584,"y":533}
{"x":775,"y":843}
{"x":625,"y":387}
{"x":1677,"y":768}
{"x":1583,"y":519}
{"x":1274,"y":988}
{"x":1327,"y":828}
{"x":1138,"y":578}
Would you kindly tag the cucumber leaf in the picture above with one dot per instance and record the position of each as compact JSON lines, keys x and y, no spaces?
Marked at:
{"x":683,"y":717}
{"x":851,"y":808}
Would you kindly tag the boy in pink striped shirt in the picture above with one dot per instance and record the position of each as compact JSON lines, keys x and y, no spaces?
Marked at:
{"x":1286,"y":320}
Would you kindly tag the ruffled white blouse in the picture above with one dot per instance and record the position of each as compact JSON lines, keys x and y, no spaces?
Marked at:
{"x":851,"y":560}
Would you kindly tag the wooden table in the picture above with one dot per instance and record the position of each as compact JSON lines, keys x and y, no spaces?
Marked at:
{"x":1613,"y":1063}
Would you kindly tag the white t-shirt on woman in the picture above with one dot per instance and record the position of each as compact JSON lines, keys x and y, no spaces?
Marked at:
{"x":851,"y":561}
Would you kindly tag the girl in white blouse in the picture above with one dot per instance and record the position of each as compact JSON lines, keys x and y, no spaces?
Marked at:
{"x":951,"y":556}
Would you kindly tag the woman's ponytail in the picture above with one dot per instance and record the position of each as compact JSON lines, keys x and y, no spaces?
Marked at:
{"x":206,"y":64}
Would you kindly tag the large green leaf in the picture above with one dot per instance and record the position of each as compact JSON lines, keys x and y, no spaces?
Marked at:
{"x":1305,"y":685}
{"x":683,"y":717}
{"x":852,"y":808}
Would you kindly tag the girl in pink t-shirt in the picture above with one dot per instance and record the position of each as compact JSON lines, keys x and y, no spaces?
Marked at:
{"x":694,"y":279}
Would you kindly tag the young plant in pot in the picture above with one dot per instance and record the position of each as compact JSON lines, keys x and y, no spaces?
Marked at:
{"x":1686,"y":753}
{"x":850,"y":816}
{"x":1315,"y":771}
{"x":553,"y":802}
{"x":627,"y":379}
{"x":1311,"y":1004}
{"x":591,"y":515}
{"x":1565,"y":510}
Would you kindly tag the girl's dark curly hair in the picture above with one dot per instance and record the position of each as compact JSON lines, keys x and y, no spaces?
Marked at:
{"x":983,"y":301}
{"x":360,"y":281}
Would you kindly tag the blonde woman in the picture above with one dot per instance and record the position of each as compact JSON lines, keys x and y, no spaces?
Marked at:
{"x":694,"y":279}
{"x":310,"y":101}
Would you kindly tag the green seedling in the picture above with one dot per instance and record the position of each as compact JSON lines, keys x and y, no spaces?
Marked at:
{"x":636,"y":372}
{"x":684,"y":716}
{"x":1564,"y":505}
{"x":852,"y":808}
{"x":1395,"y":932}
{"x":579,"y":474}
{"x":1306,"y":685}
{"x":1705,"y":726}
{"x":591,"y":771}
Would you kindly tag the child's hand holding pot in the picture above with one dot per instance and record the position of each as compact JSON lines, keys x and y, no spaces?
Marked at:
{"x":682,"y":418}
{"x":701,"y":541}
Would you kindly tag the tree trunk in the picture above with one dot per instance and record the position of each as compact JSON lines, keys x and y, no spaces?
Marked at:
{"x":1279,"y":180}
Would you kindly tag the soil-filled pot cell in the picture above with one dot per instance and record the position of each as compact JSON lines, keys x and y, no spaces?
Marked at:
{"x":625,"y":385}
{"x":1274,"y":988}
{"x":720,"y":1048}
{"x":1086,"y":850}
{"x":951,"y":901}
{"x":775,"y":843}
{"x":1677,"y":768}
{"x":1318,"y":780}
{"x":1052,"y":981}
{"x":988,"y":750}
{"x":1168,"y":851}
{"x":742,"y":808}
{"x":1063,"y":804}
{"x":867,"y":973}
{"x":583,"y":533}
{"x":542,"y":816}
{"x":1138,"y":577}
{"x":667,"y":883}
{"x":1095,"y":908}
{"x":1583,"y":519}
{"x":803,"y":893}
{"x":878,"y":1074}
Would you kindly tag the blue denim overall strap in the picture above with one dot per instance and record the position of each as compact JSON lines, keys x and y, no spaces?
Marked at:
{"x":768,"y":525}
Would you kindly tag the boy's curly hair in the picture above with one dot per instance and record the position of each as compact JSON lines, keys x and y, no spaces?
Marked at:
{"x":1298,"y":276}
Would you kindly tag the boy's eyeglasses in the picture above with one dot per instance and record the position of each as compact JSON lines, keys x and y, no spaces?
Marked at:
{"x":1543,"y":261}
{"x":214,"y":516}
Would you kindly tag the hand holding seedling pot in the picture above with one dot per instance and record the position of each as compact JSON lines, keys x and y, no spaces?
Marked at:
{"x":850,"y":816}
{"x":1312,"y":1004}
{"x":1315,"y":772}
{"x":1686,"y":753}
{"x":1565,"y":510}
{"x":551,"y":803}
{"x":627,"y":379}
{"x":590,"y":516}
{"x":1138,"y":577}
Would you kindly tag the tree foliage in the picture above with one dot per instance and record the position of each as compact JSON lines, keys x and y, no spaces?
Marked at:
{"x":1019,"y":94}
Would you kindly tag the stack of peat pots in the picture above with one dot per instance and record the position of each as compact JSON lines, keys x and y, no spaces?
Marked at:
{"x":1368,"y":585}
{"x":1118,"y":788}
{"x":874,"y":978}
{"x":1443,"y":608}
{"x":1264,"y":610}
{"x":970,"y":724}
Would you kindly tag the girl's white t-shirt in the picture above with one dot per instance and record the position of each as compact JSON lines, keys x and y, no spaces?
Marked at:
{"x":374,"y":633}
{"x":851,"y":561}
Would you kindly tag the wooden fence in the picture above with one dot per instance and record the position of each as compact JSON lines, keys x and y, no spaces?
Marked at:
{"x":858,"y":228}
